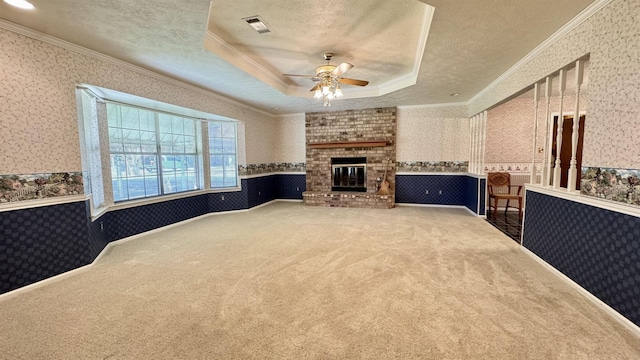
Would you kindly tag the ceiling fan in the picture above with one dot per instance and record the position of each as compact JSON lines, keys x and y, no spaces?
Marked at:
{"x":328,"y":78}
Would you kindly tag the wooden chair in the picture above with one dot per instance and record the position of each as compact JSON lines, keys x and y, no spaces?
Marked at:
{"x":499,"y":184}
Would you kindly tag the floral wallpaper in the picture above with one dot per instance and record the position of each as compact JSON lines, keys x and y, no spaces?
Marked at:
{"x":434,"y":133}
{"x":290,"y":138}
{"x":620,"y":185}
{"x":38,"y":186}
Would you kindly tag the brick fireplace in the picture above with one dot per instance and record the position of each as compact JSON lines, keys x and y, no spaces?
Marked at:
{"x":357,"y":144}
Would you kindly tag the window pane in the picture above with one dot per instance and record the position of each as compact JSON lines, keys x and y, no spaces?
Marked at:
{"x":230,"y":178}
{"x":115,"y":140}
{"x":229,"y":145}
{"x":215,"y":130}
{"x":190,"y":145}
{"x":190,"y":128}
{"x":120,"y":192}
{"x":130,"y":118}
{"x":215,"y":146}
{"x":228,"y":130}
{"x":164,"y":121}
{"x":177,"y":125}
{"x":166,"y":142}
{"x":147,"y":121}
{"x":152,"y":185}
{"x":113,"y":115}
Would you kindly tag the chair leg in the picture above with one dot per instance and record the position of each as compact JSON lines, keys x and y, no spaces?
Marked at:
{"x":506,"y":207}
{"x":520,"y":207}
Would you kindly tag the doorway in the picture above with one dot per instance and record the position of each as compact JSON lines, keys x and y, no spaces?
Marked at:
{"x":565,"y":151}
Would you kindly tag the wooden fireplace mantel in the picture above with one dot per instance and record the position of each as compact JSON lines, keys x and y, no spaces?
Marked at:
{"x":346,"y":144}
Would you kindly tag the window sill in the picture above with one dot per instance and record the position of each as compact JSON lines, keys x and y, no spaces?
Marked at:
{"x":95,"y":214}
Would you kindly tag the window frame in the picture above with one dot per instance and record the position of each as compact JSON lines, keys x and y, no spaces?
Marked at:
{"x":100,"y":120}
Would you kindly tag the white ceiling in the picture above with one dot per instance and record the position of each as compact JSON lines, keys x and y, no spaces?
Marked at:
{"x":412,"y":54}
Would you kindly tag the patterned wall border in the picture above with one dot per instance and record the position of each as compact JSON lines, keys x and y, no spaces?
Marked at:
{"x":513,"y":168}
{"x":253,"y":169}
{"x":620,"y":185}
{"x":23,"y":187}
{"x":432,"y":166}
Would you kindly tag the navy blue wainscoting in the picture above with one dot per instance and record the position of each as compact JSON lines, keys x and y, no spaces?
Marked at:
{"x":291,"y":186}
{"x":135,"y":220}
{"x":42,"y":242}
{"x":98,"y":237}
{"x":599,"y":249}
{"x":261,"y":189}
{"x":442,"y":189}
{"x":471,"y":193}
{"x":229,"y":201}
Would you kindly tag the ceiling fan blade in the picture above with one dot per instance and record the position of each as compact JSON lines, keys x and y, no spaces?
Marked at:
{"x":353,"y":81}
{"x":341,"y":69}
{"x":315,"y":88}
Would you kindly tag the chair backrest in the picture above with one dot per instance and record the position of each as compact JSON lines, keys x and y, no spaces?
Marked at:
{"x":500,"y":180}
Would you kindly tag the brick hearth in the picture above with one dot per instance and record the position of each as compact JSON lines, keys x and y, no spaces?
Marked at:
{"x":369,"y":133}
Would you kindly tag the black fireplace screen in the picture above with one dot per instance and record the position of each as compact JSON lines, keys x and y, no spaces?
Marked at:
{"x":349,"y":174}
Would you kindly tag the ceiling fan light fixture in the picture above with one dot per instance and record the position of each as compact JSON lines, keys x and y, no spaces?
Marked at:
{"x":318,"y":94}
{"x":338,"y":92}
{"x":325,"y":90}
{"x":22,"y":4}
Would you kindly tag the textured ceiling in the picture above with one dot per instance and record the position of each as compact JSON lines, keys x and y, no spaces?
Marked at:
{"x":470,"y":43}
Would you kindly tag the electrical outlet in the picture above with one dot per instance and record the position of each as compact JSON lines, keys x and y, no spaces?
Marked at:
{"x":440,"y":192}
{"x":259,"y":193}
{"x":101,"y":226}
{"x":426,"y":192}
{"x":297,"y":189}
{"x":222,"y":197}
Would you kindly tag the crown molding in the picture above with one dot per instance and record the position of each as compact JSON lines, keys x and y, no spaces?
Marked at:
{"x":560,"y":33}
{"x":218,"y":46}
{"x":22,"y":30}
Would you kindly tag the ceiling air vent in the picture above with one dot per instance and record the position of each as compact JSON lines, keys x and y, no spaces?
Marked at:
{"x":257,"y":24}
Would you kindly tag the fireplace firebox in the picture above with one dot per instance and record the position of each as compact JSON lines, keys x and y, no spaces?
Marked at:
{"x":349,"y":174}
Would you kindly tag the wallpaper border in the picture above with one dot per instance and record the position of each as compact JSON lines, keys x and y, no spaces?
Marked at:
{"x":432,"y":166}
{"x":612,"y":184}
{"x":23,"y":187}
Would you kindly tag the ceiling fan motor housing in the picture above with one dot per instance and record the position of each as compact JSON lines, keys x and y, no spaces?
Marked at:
{"x":324,"y":69}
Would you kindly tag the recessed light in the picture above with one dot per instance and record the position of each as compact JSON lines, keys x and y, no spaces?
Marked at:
{"x":455,"y":94}
{"x":22,"y":4}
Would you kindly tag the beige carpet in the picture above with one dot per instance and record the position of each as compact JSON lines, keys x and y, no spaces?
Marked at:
{"x":292,"y":282}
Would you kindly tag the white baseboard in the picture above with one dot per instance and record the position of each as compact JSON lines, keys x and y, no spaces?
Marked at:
{"x":441,"y":206}
{"x":599,"y":303}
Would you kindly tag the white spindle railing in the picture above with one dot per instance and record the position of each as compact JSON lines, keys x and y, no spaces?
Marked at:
{"x":546,"y":166}
{"x":573,"y":170}
{"x":557,"y":170}
{"x":536,"y":98}
{"x":483,"y":143}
